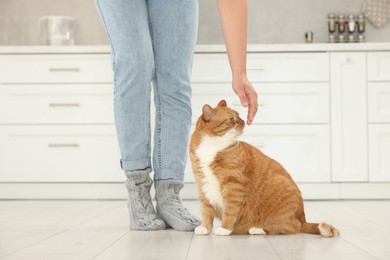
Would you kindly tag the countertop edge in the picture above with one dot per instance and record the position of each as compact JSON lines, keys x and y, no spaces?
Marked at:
{"x":210,"y":48}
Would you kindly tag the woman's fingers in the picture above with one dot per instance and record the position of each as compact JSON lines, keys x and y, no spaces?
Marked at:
{"x":253,"y":103}
{"x":248,"y":97}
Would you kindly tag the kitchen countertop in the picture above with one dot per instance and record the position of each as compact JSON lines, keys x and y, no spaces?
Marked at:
{"x":212,"y":48}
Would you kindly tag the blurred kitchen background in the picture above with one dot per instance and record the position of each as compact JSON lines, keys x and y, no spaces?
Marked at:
{"x":270,"y":21}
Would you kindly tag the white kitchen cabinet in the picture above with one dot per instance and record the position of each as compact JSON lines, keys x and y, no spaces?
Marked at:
{"x":265,"y":67}
{"x":379,"y":151}
{"x":324,"y":114}
{"x":3,"y":66}
{"x":303,"y":150}
{"x":349,"y":117}
{"x":66,"y":153}
{"x":288,"y":67}
{"x":379,"y":102}
{"x":56,"y":119}
{"x":72,"y":68}
{"x":278,"y":102}
{"x":56,"y":104}
{"x":211,"y":68}
{"x":379,"y":116}
{"x":378,"y":66}
{"x":293,"y":93}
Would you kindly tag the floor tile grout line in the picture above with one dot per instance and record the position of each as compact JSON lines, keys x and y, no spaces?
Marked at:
{"x":370,"y":222}
{"x":19,"y":224}
{"x":111,"y":244}
{"x":348,"y":213}
{"x":346,"y":240}
{"x":34,"y":218}
{"x":63,"y":231}
{"x":277,"y":253}
{"x":355,"y":245}
{"x":189,"y":246}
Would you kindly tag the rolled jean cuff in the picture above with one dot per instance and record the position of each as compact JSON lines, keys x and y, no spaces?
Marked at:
{"x":132,"y":165}
{"x":168,"y":174}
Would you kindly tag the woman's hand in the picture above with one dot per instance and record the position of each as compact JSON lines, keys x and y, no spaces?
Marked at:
{"x":247,"y":94}
{"x":234,"y":18}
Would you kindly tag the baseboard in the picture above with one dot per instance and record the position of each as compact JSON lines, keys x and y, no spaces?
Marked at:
{"x":310,"y":191}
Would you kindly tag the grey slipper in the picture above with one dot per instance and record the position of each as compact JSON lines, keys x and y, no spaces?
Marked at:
{"x":170,"y":208}
{"x":141,"y":210}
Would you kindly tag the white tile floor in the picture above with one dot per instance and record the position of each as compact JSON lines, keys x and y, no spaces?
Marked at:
{"x":79,"y":230}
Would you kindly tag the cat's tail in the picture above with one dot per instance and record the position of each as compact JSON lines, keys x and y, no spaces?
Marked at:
{"x":324,"y":229}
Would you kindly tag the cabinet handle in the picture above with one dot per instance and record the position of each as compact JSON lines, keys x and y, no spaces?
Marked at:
{"x":64,"y":69}
{"x":64,"y":104}
{"x":62,"y":145}
{"x":238,"y":104}
{"x":255,"y":68}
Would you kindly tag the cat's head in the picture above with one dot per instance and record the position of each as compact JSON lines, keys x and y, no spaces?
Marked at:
{"x":220,"y":120}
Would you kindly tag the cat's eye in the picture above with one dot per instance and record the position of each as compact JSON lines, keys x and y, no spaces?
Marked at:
{"x":232,"y":119}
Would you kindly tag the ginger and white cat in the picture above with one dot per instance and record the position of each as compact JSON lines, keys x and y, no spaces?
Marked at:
{"x":237,"y":183}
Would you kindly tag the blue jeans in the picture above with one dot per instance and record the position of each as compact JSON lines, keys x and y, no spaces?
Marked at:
{"x":152,"y":41}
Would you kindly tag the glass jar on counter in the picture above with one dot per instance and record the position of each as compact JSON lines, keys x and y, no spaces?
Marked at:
{"x":341,"y":38}
{"x":331,"y":23}
{"x":351,"y":37}
{"x":351,"y":23}
{"x":361,"y":21}
{"x":331,"y":38}
{"x":341,"y":23}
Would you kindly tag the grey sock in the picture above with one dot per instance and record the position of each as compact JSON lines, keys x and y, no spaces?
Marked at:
{"x":170,"y":208}
{"x":141,"y":210}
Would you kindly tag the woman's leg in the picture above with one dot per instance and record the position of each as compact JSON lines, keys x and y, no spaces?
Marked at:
{"x":173,"y":25}
{"x":127,"y":26}
{"x":173,"y":29}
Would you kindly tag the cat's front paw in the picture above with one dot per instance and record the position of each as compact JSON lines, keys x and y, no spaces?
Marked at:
{"x":220,"y":231}
{"x":201,"y":230}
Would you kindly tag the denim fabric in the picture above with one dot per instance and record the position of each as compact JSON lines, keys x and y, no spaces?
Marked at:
{"x":152,"y":41}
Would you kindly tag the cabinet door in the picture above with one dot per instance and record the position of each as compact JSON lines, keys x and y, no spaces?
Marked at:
{"x":378,"y":66}
{"x":303,"y":150}
{"x":56,"y":104}
{"x":379,"y":151}
{"x":288,"y":67}
{"x":265,"y":67}
{"x":379,"y":102}
{"x":3,"y":65}
{"x":279,"y":103}
{"x":349,"y":117}
{"x":59,"y":154}
{"x":71,"y":68}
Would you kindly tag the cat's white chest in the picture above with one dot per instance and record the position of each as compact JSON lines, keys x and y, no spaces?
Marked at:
{"x":206,"y":152}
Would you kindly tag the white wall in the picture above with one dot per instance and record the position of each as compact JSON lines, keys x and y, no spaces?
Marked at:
{"x":270,"y":21}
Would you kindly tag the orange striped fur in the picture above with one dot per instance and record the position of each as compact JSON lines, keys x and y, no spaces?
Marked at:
{"x":237,"y":183}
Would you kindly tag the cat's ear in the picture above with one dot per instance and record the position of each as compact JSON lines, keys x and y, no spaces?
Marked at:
{"x":208,"y":113}
{"x":222,"y":103}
